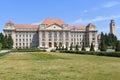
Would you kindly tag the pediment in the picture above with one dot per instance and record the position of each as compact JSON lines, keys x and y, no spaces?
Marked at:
{"x":54,"y":27}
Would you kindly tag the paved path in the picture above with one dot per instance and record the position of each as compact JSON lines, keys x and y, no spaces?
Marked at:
{"x":4,"y":51}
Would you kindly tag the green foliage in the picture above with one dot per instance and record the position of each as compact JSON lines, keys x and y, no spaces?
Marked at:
{"x":77,"y":47}
{"x":7,"y":42}
{"x":110,"y":40}
{"x":10,"y":42}
{"x":102,"y":43}
{"x":0,"y":46}
{"x":63,"y":48}
{"x":66,"y":48}
{"x":71,"y":46}
{"x":118,"y":46}
{"x":92,"y":47}
{"x":1,"y":38}
{"x":111,"y":54}
{"x":103,"y":46}
{"x":83,"y":47}
{"x":57,"y":48}
{"x":29,"y":50}
{"x":5,"y":45}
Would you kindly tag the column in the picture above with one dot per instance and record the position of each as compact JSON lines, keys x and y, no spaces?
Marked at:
{"x":53,"y":39}
{"x":46,"y":39}
{"x":69,"y":39}
{"x":58,"y":39}
{"x":63,"y":43}
{"x":13,"y":35}
{"x":40,"y":39}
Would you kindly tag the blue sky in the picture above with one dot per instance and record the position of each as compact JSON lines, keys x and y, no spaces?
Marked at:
{"x":73,"y":12}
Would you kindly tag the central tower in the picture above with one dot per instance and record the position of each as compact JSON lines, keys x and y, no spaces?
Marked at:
{"x":112,"y":27}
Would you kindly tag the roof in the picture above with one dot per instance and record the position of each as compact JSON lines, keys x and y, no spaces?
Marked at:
{"x":51,"y":21}
{"x":78,"y":27}
{"x":90,"y":24}
{"x":9,"y":23}
{"x":25,"y":26}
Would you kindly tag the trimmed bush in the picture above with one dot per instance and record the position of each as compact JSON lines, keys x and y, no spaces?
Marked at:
{"x":77,"y":47}
{"x":83,"y":47}
{"x":29,"y":50}
{"x":117,"y":46}
{"x":112,"y":54}
{"x":92,"y":47}
{"x":0,"y":46}
{"x":71,"y":46}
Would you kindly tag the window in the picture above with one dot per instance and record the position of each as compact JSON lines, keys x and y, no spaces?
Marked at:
{"x":16,"y":35}
{"x":19,"y":40}
{"x":16,"y":44}
{"x":26,"y":35}
{"x":30,"y":35}
{"x":66,"y":35}
{"x":43,"y":34}
{"x":93,"y":35}
{"x":55,"y":34}
{"x":93,"y":38}
{"x":60,"y":34}
{"x":26,"y":40}
{"x":50,"y":34}
{"x":19,"y":44}
{"x":43,"y":44}
{"x":16,"y":40}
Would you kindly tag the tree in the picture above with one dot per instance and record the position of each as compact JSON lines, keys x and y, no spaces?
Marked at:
{"x":77,"y":47}
{"x":71,"y":46}
{"x":92,"y":47}
{"x":4,"y":43}
{"x":117,"y":46}
{"x":57,"y":48}
{"x":83,"y":47}
{"x":10,"y":42}
{"x":103,"y":46}
{"x":63,"y":48}
{"x":66,"y":48}
{"x":1,"y":37}
{"x":0,"y":46}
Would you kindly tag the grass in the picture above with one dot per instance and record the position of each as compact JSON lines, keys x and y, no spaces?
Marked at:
{"x":58,"y":66}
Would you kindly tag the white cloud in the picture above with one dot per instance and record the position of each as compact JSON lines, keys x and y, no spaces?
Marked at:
{"x":85,"y":11}
{"x":96,"y":19}
{"x":105,"y":5}
{"x":111,"y":4}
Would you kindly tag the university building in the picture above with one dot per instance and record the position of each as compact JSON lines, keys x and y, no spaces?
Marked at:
{"x":50,"y":34}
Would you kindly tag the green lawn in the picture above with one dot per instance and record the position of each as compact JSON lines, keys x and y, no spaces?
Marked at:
{"x":58,"y":66}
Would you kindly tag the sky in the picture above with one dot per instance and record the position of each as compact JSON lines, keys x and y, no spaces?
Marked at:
{"x":72,"y":12}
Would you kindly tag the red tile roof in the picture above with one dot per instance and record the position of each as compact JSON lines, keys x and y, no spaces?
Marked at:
{"x":25,"y":26}
{"x":78,"y":27}
{"x":90,"y":24}
{"x":50,"y":21}
{"x":9,"y":23}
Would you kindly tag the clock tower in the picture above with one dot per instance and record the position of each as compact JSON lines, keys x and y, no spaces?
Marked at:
{"x":113,"y":27}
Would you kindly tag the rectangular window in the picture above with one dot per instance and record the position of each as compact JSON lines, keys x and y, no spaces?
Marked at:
{"x":26,"y":35}
{"x":16,"y":35}
{"x":19,"y":40}
{"x":43,"y":34}
{"x":55,"y":34}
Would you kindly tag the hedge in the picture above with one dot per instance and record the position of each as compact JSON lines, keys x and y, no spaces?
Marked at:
{"x":29,"y":50}
{"x":111,"y":54}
